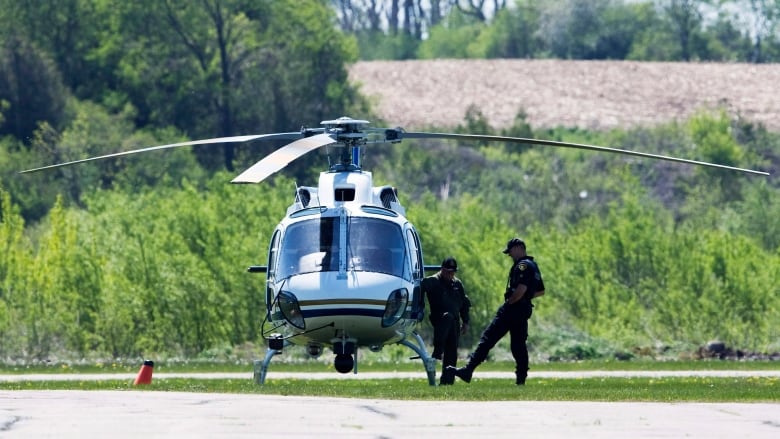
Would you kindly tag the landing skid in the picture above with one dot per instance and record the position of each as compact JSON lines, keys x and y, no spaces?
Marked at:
{"x":261,"y":367}
{"x":428,"y":362}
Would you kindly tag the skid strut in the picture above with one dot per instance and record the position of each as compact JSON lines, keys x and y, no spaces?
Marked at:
{"x":428,"y":362}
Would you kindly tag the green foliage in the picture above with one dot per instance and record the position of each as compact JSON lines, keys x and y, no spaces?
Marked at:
{"x":450,"y":229}
{"x":633,"y":277}
{"x":756,"y":216}
{"x":31,"y":89}
{"x":455,"y":37}
{"x":92,"y":131}
{"x":150,"y":272}
{"x":15,"y":260}
{"x":376,"y":45}
{"x":511,"y":34}
{"x":185,"y":279}
{"x":573,"y":29}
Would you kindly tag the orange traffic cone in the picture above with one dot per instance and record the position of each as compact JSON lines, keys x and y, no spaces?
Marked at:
{"x":145,"y":374}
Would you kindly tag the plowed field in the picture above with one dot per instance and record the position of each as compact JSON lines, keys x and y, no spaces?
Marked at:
{"x":585,"y":94}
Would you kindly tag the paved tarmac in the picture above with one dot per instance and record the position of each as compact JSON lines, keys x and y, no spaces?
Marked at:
{"x":132,"y":414}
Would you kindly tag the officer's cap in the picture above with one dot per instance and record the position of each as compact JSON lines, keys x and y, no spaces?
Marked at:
{"x":513,"y":242}
{"x":449,"y":264}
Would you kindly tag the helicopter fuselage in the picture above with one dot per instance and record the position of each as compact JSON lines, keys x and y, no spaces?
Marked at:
{"x":344,"y":267}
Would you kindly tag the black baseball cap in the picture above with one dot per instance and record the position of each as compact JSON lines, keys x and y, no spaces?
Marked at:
{"x":513,"y":242}
{"x":450,"y":264}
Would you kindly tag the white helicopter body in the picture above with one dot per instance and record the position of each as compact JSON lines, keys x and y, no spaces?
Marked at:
{"x":344,"y":270}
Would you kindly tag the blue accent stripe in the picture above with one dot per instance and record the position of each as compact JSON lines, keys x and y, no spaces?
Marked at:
{"x":344,"y":312}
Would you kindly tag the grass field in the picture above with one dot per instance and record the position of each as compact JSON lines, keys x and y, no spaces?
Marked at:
{"x":180,"y":366}
{"x":689,"y":389}
{"x":662,"y":389}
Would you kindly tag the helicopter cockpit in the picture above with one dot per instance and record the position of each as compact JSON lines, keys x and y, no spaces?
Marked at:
{"x":373,"y":245}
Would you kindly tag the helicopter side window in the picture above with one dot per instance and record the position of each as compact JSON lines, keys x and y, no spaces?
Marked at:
{"x":272,"y":253}
{"x":415,"y":254}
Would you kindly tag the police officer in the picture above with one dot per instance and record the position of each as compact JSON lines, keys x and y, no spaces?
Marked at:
{"x":449,"y":306}
{"x":524,"y":283}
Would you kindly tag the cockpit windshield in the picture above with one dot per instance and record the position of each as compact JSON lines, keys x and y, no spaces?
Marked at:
{"x":373,"y":245}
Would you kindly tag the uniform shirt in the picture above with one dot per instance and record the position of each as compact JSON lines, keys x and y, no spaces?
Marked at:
{"x":525,"y":271}
{"x":446,"y":296}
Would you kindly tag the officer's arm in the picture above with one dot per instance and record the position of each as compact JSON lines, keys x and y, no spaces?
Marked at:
{"x":517,"y":294}
{"x":540,"y":290}
{"x":464,"y":310}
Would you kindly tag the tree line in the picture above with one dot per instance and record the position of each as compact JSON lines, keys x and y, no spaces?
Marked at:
{"x":658,"y":30}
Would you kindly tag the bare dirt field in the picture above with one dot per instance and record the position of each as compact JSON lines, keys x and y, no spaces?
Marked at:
{"x":593,"y":95}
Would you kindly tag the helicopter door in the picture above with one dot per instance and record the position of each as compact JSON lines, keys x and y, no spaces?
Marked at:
{"x":273,"y":252}
{"x":415,"y":254}
{"x":418,"y":271}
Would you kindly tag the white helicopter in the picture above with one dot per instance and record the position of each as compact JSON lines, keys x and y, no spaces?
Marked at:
{"x":345,"y":265}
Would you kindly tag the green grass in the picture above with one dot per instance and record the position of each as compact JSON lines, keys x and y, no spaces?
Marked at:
{"x":692,"y":389}
{"x":385,"y":366}
{"x":665,"y":389}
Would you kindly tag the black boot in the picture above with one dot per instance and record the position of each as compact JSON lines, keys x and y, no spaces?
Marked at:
{"x":463,"y":373}
{"x":447,"y":376}
{"x":520,"y":377}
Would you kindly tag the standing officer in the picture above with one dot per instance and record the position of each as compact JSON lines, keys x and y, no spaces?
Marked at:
{"x":525,"y":283}
{"x":449,"y":305}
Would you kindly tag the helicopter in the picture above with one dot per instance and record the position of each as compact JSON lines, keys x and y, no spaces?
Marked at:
{"x":344,"y":265}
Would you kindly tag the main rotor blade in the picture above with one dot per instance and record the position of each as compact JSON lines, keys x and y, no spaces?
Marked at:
{"x":421,"y":135}
{"x":280,"y":136}
{"x":282,"y":157}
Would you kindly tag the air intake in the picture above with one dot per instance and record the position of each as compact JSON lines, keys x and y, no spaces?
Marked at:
{"x":388,"y":195}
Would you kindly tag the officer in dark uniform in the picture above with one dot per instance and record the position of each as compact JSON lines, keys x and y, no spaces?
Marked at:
{"x":449,"y":306}
{"x":524,"y":283}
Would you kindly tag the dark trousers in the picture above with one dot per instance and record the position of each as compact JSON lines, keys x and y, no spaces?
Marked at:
{"x":446,"y":334}
{"x":514,"y":320}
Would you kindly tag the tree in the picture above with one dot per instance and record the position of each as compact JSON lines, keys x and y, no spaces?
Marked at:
{"x":181,"y":62}
{"x":727,"y":42}
{"x":30,"y":88}
{"x":226,"y":67}
{"x":457,"y":36}
{"x":686,"y":20}
{"x":68,"y":32}
{"x":513,"y":33}
{"x":477,"y":8}
{"x":570,"y":28}
{"x":761,"y":17}
{"x":713,"y":139}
